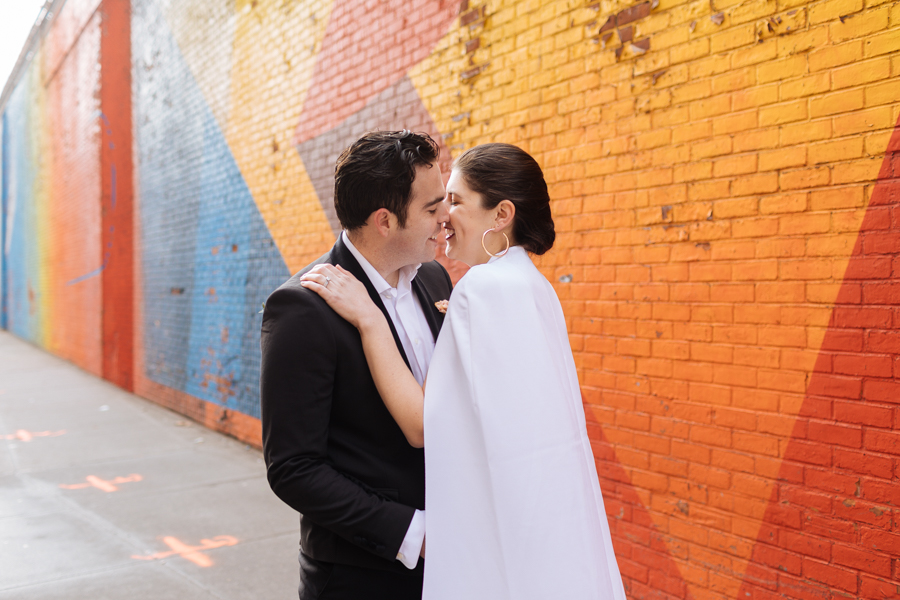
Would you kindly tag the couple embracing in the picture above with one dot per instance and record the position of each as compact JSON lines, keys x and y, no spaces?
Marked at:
{"x":505,"y":495}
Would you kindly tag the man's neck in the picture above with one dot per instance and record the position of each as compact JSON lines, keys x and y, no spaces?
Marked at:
{"x":375,"y":256}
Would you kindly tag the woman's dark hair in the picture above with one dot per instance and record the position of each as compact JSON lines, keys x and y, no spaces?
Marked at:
{"x":377,"y":171}
{"x":504,"y":172}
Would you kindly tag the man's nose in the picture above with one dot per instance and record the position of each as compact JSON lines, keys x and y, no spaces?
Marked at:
{"x":443,"y":212}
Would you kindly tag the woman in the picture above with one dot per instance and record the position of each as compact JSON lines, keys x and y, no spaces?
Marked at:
{"x":513,"y":505}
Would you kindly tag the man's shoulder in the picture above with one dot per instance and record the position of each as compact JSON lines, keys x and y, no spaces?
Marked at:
{"x":292,"y":293}
{"x":434,"y":276}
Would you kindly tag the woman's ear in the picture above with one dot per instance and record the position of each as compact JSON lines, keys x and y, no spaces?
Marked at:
{"x":506,"y":212}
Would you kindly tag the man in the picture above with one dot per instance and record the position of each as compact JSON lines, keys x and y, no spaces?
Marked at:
{"x":332,"y":450}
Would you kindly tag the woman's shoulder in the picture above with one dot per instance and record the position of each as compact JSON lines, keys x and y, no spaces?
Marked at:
{"x":511,"y":274}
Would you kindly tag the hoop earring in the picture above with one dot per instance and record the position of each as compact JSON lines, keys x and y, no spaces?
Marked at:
{"x":499,"y":254}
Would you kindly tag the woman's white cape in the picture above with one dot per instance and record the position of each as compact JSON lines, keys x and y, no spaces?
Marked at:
{"x":513,"y":509}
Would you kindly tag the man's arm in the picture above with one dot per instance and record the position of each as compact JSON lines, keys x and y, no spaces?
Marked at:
{"x":299,"y":356}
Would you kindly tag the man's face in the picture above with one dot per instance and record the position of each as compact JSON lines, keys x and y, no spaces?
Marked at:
{"x":417,"y":242}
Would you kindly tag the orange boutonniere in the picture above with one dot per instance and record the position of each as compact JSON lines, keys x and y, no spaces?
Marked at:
{"x":441,"y":305}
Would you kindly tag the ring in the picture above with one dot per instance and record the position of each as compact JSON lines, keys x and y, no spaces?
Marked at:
{"x":327,"y":281}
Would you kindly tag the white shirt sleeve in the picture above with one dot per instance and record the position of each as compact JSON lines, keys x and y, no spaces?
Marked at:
{"x":412,"y":543}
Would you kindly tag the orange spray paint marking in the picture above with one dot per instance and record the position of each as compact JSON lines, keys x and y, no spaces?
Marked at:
{"x":191,"y":553}
{"x":27,"y":436}
{"x":102,"y":484}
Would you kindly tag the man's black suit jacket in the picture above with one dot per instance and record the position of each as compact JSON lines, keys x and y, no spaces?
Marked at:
{"x":332,"y":450}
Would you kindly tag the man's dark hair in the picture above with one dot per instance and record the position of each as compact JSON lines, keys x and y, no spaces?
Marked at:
{"x":377,"y":171}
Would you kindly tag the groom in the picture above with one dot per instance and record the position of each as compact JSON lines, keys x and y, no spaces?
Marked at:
{"x":332,"y":450}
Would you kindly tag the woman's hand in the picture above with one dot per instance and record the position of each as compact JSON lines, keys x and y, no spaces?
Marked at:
{"x":343,"y":292}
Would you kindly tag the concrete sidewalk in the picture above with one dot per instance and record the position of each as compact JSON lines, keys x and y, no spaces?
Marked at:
{"x":104,"y":495}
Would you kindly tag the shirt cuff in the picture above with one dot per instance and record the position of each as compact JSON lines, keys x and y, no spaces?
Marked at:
{"x":412,"y":543}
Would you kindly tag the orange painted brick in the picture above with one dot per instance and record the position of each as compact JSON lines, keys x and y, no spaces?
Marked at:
{"x":798,"y":133}
{"x":776,"y":292}
{"x":712,"y":65}
{"x":734,"y":37}
{"x":780,"y":248}
{"x":755,"y":227}
{"x":858,"y":73}
{"x":803,"y":270}
{"x":801,"y":41}
{"x":758,"y":95}
{"x":854,"y":171}
{"x":755,"y":270}
{"x":779,"y":70}
{"x":785,"y":381}
{"x":834,"y":56}
{"x":753,"y":55}
{"x":689,"y":51}
{"x":876,"y":143}
{"x":783,"y":203}
{"x":816,"y":83}
{"x":829,"y":152}
{"x":762,"y":183}
{"x":864,"y":121}
{"x":745,"y":141}
{"x":728,"y":209}
{"x":732,"y":250}
{"x":785,"y":112}
{"x":735,"y":165}
{"x":756,"y":357}
{"x":757,"y":313}
{"x":882,"y":93}
{"x":734,"y":79}
{"x":804,"y":178}
{"x":846,"y":221}
{"x":861,"y":25}
{"x":692,"y":171}
{"x":837,"y":102}
{"x":804,"y":224}
{"x":735,"y":122}
{"x":833,"y":9}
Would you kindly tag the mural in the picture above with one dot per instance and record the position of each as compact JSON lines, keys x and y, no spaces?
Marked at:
{"x":724,"y":180}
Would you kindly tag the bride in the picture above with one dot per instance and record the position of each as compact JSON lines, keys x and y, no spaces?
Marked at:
{"x":513,"y":504}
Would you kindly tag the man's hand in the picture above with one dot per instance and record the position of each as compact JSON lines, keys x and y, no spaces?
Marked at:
{"x":422,"y":551}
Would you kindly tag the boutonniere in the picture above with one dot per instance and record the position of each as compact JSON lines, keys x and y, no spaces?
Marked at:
{"x":442,"y":305}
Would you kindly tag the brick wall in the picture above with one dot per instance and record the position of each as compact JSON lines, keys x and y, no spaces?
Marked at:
{"x":724,"y":178}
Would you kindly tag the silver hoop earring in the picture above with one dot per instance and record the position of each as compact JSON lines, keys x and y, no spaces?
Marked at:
{"x":498,"y":255}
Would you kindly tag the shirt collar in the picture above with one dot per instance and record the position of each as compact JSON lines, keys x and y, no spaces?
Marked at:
{"x":407,"y":273}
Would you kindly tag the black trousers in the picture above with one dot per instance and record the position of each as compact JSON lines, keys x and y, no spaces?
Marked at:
{"x":330,"y":581}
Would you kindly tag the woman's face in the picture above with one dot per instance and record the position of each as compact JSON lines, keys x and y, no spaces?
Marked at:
{"x":467,"y":224}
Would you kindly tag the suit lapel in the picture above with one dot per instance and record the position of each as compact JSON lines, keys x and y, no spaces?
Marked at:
{"x":341,"y":255}
{"x":434,"y":317}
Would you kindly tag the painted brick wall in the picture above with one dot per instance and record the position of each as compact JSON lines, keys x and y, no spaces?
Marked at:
{"x":724,"y":177}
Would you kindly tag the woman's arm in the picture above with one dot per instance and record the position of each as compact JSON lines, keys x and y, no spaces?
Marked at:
{"x":401,"y":393}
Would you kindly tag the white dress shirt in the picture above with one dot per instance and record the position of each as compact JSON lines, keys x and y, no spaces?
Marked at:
{"x":408,"y":318}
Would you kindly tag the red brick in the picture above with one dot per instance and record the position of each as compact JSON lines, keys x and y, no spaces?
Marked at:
{"x":882,"y":441}
{"x":863,"y":463}
{"x":859,"y":511}
{"x":870,"y":562}
{"x":805,"y":545}
{"x":842,"y":579}
{"x":882,"y":391}
{"x":883,"y":492}
{"x":871,"y":365}
{"x":835,"y":386}
{"x":808,"y":452}
{"x":840,"y":435}
{"x":879,"y":541}
{"x":872,"y":587}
